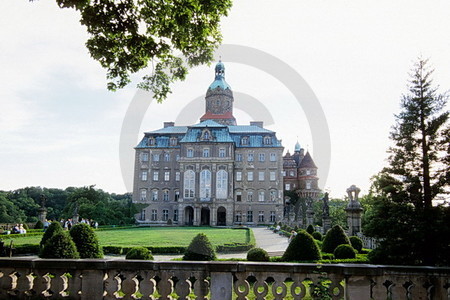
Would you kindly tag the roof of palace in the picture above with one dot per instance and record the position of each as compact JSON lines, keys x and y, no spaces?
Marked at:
{"x":219,"y":134}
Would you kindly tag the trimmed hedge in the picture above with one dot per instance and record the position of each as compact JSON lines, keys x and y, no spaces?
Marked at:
{"x":86,"y":241}
{"x":344,"y":251}
{"x":117,"y":250}
{"x":317,"y":236}
{"x":356,"y":243}
{"x":200,"y":249}
{"x":139,"y":253}
{"x":302,"y":247}
{"x":258,"y":254}
{"x":334,"y":237}
{"x":53,"y":229}
{"x":310,"y":229}
{"x":39,"y":225}
{"x":60,"y":245}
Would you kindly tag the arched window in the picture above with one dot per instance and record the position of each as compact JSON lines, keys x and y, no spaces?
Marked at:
{"x":189,"y":184}
{"x":222,"y":184}
{"x":205,"y":185}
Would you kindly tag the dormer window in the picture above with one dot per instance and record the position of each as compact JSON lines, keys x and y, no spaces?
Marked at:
{"x":173,"y":141}
{"x":151,"y":141}
{"x":267,"y":140}
{"x":244,"y":140}
{"x":206,"y":135}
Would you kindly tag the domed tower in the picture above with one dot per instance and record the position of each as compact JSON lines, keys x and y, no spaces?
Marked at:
{"x":219,"y":99}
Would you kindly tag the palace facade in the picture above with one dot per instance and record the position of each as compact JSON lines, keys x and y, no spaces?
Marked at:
{"x":212,"y":173}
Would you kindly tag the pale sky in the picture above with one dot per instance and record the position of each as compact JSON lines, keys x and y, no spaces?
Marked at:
{"x":60,"y":127}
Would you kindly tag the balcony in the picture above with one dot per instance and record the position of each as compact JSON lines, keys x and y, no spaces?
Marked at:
{"x":120,"y":279}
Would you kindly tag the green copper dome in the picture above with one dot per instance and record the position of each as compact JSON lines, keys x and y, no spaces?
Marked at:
{"x":219,"y":80}
{"x":297,"y":147}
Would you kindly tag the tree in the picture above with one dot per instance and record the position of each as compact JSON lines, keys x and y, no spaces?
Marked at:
{"x":418,"y":160}
{"x":302,"y":247}
{"x":409,"y":228}
{"x":86,"y":241}
{"x":127,"y":36}
{"x":200,"y":248}
{"x":60,"y":246}
{"x":334,"y":237}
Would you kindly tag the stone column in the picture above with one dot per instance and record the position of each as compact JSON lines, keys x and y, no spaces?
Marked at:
{"x":353,"y":211}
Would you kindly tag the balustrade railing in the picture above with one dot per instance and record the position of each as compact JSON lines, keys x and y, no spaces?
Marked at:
{"x":126,"y":279}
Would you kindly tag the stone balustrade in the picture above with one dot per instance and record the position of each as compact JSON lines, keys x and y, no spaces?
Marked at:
{"x":127,"y":279}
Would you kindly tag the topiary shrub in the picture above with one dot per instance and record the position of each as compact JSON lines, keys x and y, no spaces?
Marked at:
{"x":53,"y":229}
{"x":310,"y":229}
{"x":200,"y":248}
{"x":258,"y":254}
{"x":334,"y":237}
{"x":139,"y":253}
{"x":302,"y":247}
{"x":344,"y":251}
{"x":59,"y":245}
{"x":39,"y":225}
{"x":356,"y":243}
{"x":317,"y":235}
{"x":86,"y":241}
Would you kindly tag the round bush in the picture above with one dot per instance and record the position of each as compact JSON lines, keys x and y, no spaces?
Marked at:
{"x":86,"y":241}
{"x":302,"y":247}
{"x":200,"y":248}
{"x":258,"y":254}
{"x":59,"y":245}
{"x":25,"y":226}
{"x":53,"y":229}
{"x":310,"y":229}
{"x":334,"y":237}
{"x":39,"y":225}
{"x":139,"y":253}
{"x":317,"y":235}
{"x":356,"y":243}
{"x":344,"y":251}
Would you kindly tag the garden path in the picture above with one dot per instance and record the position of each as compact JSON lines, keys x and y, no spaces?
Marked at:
{"x":265,"y":238}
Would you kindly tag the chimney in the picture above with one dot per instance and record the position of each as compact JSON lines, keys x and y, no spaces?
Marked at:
{"x":257,"y":123}
{"x":169,"y":124}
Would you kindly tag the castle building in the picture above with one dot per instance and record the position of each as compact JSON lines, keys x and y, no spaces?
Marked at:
{"x":300,"y":174}
{"x":212,"y":173}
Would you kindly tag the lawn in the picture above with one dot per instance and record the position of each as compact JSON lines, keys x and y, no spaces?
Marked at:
{"x":157,"y":236}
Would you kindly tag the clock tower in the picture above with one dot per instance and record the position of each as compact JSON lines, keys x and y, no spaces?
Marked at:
{"x":219,"y":99}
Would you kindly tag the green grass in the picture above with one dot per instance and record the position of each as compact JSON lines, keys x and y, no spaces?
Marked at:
{"x":157,"y":236}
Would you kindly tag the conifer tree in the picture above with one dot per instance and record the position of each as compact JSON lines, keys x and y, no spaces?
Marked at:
{"x":419,"y":157}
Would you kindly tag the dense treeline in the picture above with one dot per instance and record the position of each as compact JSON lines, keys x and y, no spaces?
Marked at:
{"x":21,"y":205}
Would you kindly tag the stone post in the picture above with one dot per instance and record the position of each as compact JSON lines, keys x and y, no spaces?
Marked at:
{"x":354,"y":211}
{"x":309,"y":213}
{"x":326,"y":220}
{"x":42,"y":214}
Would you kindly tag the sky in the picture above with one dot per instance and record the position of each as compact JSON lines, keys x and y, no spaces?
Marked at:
{"x":60,"y":127}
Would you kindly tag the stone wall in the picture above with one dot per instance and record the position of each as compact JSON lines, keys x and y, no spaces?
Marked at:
{"x":107,"y":279}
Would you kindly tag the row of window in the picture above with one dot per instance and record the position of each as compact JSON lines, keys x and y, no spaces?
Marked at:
{"x":261,"y":175}
{"x":308,"y":185}
{"x":261,"y":194}
{"x":248,"y":217}
{"x":152,"y":141}
{"x":207,"y":153}
{"x":261,"y":157}
{"x":246,"y":140}
{"x":205,"y":184}
{"x":239,"y":217}
{"x":166,"y":175}
{"x":154,"y":195}
{"x":292,"y":173}
{"x":165,"y":215}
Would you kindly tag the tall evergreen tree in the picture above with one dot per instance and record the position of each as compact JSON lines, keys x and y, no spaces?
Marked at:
{"x":409,"y":228}
{"x":418,"y":159}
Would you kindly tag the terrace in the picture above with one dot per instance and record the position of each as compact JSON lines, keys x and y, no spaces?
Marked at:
{"x":27,"y":278}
